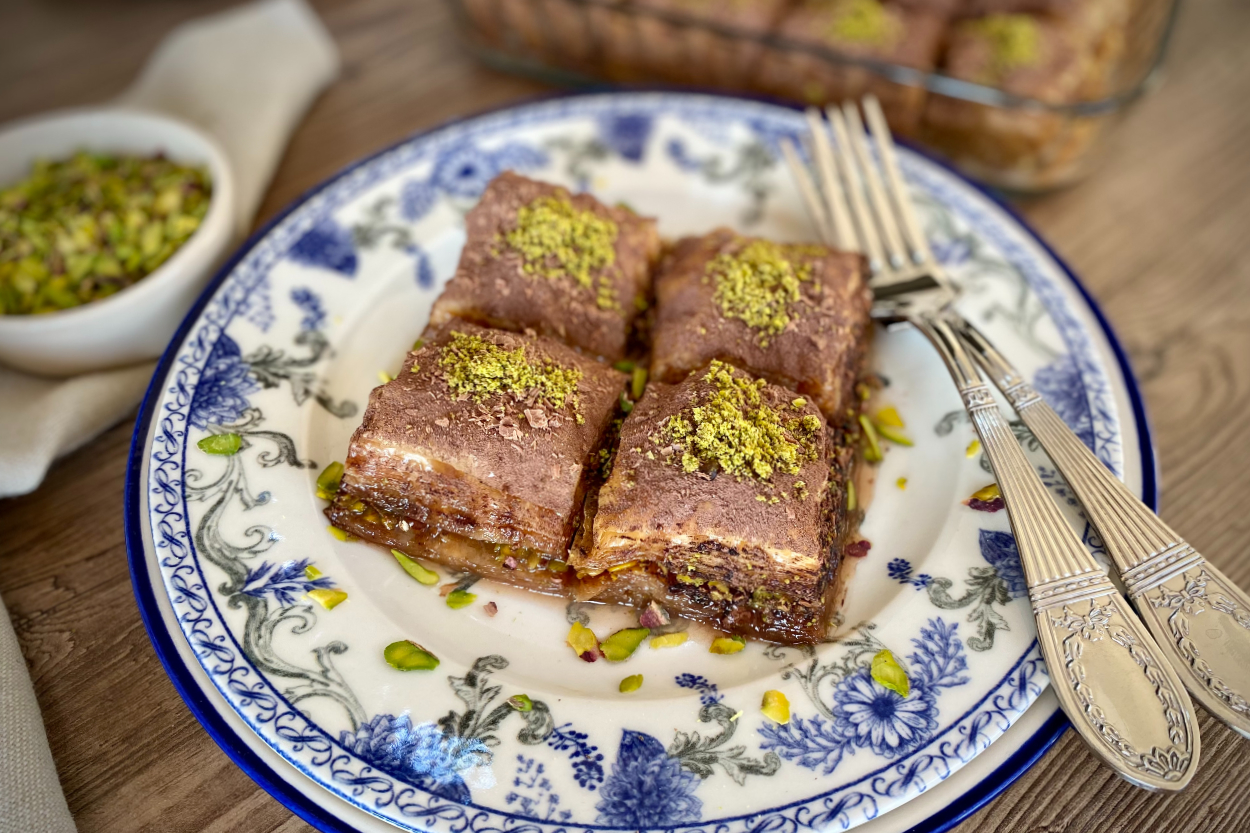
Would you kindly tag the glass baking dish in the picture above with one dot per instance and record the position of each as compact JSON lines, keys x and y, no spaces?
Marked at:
{"x":1017,"y":142}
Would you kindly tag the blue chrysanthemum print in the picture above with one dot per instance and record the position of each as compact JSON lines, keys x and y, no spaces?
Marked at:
{"x":647,"y":788}
{"x":1060,"y":384}
{"x":999,"y":549}
{"x":422,"y":755}
{"x":221,"y":395}
{"x":327,"y":245}
{"x":870,"y":714}
{"x":627,"y":134}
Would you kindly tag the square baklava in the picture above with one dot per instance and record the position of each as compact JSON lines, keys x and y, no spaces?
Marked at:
{"x":563,"y":265}
{"x":478,"y":455}
{"x":727,"y":503}
{"x":858,"y":30}
{"x":798,"y":315}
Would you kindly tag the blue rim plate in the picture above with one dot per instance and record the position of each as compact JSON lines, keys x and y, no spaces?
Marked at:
{"x":283,"y":348}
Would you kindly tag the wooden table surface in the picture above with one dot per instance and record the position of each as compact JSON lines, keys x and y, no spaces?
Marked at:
{"x":1161,"y":235}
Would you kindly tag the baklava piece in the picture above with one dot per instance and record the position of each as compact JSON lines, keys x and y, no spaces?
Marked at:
{"x":566,"y":266}
{"x":855,"y":30}
{"x":1052,"y":60}
{"x":726,"y":503}
{"x":797,"y":315}
{"x":675,"y":43}
{"x":479,"y":453}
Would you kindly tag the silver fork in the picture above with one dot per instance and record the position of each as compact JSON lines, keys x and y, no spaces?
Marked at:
{"x":1111,"y":678}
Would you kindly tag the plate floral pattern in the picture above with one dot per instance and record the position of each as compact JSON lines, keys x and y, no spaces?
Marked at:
{"x":283,"y":351}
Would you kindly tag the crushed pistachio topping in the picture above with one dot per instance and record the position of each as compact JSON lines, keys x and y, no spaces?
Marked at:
{"x":406,"y":655}
{"x":889,"y":416}
{"x":760,"y":284}
{"x":732,"y":429}
{"x":776,"y":707}
{"x":223,"y":445}
{"x":621,"y":645}
{"x":864,"y":21}
{"x":521,"y":702}
{"x":901,"y":482}
{"x":312,"y":573}
{"x":872,"y":446}
{"x":889,"y":674}
{"x":557,"y":240}
{"x":630,"y":683}
{"x":327,"y":597}
{"x":973,"y":449}
{"x":1014,"y":39}
{"x":475,"y":367}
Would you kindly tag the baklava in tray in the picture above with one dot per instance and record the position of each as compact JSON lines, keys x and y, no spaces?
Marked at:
{"x":727,"y":500}
{"x":566,"y":266}
{"x":797,"y":315}
{"x":479,"y":453}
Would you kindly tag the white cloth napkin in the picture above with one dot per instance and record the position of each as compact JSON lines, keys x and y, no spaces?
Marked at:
{"x":246,"y":76}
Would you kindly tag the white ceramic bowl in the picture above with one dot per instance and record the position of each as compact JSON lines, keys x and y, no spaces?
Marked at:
{"x":136,"y":323}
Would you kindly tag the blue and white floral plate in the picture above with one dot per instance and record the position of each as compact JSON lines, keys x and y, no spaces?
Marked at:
{"x":284,"y":348}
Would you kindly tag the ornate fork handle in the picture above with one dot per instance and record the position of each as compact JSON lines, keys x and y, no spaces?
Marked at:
{"x":1110,"y":676}
{"x":1196,"y":614}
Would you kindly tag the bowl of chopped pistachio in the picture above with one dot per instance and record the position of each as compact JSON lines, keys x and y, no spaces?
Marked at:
{"x":111,"y":221}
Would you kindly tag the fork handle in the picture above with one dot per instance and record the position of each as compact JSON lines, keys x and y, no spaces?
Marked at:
{"x":1199,"y":617}
{"x":1110,"y":677}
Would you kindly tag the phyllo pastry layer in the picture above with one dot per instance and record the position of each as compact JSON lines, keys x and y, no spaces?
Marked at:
{"x":795,"y":314}
{"x":479,"y":452}
{"x":567,"y":266}
{"x":727,"y":500}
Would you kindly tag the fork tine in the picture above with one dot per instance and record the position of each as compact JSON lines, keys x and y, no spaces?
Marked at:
{"x":807,"y":187}
{"x":855,"y":191}
{"x":895,"y":184}
{"x":894,"y":252}
{"x":844,"y":232}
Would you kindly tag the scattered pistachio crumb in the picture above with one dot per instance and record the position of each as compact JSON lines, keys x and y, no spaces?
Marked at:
{"x":329,"y":598}
{"x":901,"y":482}
{"x":384,"y":377}
{"x":987,"y":493}
{"x":891,"y":675}
{"x":733,"y":718}
{"x":638,"y":383}
{"x":864,"y":21}
{"x":625,"y":365}
{"x":459,"y":598}
{"x":583,"y":642}
{"x":851,"y":502}
{"x":521,"y":702}
{"x":799,"y":403}
{"x":222,"y":445}
{"x":631,"y":683}
{"x":331,"y":478}
{"x":406,"y":655}
{"x":973,"y":449}
{"x":312,"y":573}
{"x":889,"y":416}
{"x":669,"y":640}
{"x":415,"y":568}
{"x":893,"y":434}
{"x":727,"y":645}
{"x":621,"y":645}
{"x":776,"y":707}
{"x":872,"y":447}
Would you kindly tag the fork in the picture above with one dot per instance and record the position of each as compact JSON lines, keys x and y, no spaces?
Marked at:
{"x":1112,"y":679}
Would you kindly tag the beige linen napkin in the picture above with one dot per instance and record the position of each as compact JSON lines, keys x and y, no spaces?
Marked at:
{"x":246,"y":76}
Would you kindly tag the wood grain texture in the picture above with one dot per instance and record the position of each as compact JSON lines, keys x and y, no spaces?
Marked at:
{"x":1161,"y":235}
